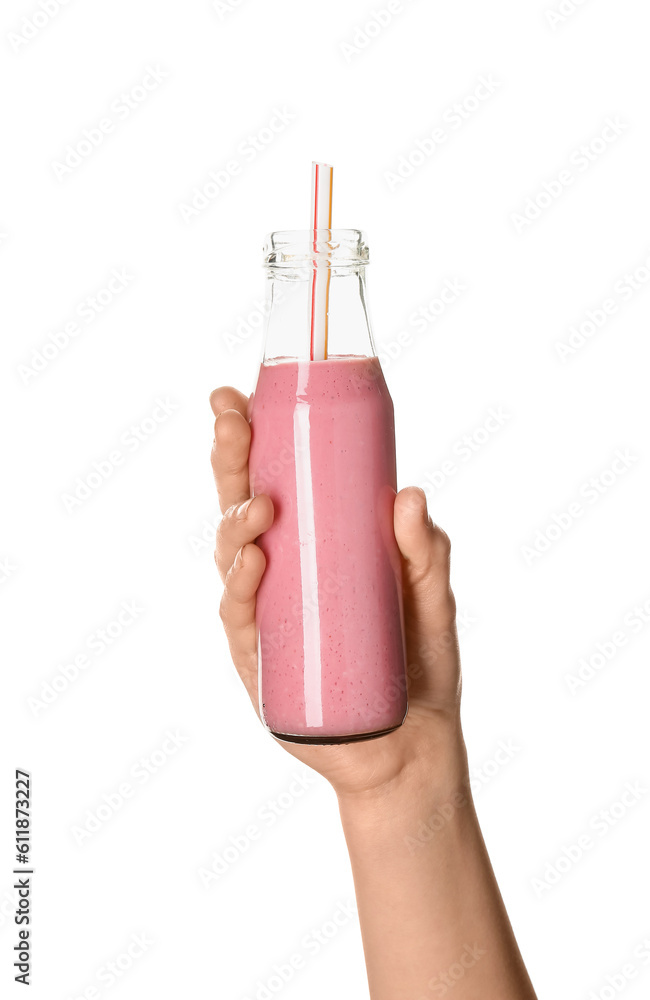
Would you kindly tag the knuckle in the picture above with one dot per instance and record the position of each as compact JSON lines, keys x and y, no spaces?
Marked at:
{"x":449,"y":605}
{"x":234,"y":465}
{"x":224,"y":526}
{"x":229,"y":514}
{"x":229,"y":530}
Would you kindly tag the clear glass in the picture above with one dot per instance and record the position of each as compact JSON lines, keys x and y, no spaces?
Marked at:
{"x":288,"y":259}
{"x":329,"y":606}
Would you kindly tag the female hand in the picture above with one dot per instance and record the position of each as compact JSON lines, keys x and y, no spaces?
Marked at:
{"x":427,"y":897}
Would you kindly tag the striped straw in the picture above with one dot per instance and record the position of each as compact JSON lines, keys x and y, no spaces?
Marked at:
{"x":319,"y":292}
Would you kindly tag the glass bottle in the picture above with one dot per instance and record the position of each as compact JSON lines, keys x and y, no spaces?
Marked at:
{"x":329,"y":606}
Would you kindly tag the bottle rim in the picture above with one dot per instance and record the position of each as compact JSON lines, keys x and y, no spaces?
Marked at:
{"x":297,"y":247}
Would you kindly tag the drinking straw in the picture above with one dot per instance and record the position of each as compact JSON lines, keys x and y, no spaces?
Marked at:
{"x":319,"y":292}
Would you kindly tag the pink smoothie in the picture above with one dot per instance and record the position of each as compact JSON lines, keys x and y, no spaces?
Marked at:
{"x":329,"y":605}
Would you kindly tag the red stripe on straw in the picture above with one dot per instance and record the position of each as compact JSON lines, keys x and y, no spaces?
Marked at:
{"x":313,"y":280}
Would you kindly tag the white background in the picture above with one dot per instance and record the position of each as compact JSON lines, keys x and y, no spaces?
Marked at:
{"x":138,"y":536}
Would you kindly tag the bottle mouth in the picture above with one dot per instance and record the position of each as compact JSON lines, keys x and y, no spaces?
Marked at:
{"x":297,"y":247}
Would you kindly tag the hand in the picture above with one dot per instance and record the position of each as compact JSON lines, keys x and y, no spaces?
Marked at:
{"x":428,"y":747}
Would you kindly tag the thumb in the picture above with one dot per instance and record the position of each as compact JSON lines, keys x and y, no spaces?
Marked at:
{"x":429,"y":605}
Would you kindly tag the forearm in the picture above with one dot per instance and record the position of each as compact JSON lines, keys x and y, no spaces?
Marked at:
{"x":430,"y":909}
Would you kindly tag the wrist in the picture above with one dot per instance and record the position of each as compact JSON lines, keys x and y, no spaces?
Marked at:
{"x":397,"y":832}
{"x":433,"y":779}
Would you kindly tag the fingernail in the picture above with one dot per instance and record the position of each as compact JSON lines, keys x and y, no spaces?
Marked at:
{"x":242,"y":510}
{"x":239,"y":559}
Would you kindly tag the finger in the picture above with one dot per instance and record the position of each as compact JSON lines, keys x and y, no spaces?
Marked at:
{"x":232,"y":437}
{"x":239,"y":525}
{"x":429,"y":606}
{"x":425,"y":550}
{"x":237,"y":612}
{"x":227,"y":398}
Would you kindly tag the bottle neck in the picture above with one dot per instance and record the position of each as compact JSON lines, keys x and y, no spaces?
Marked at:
{"x":291,"y":260}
